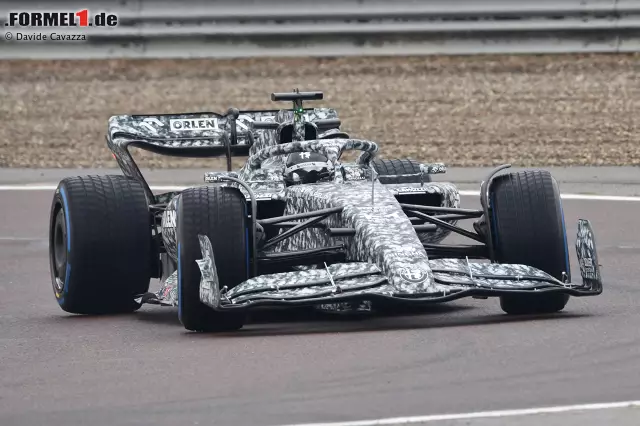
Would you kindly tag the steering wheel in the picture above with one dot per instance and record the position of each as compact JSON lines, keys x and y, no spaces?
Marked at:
{"x":332,"y":149}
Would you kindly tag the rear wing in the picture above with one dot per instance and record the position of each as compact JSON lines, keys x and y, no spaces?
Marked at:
{"x":200,"y":134}
{"x":203,"y":134}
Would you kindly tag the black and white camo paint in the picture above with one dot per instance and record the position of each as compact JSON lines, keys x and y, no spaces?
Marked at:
{"x":330,"y":148}
{"x":168,"y":293}
{"x":449,"y":197}
{"x":461,"y":274}
{"x":362,"y":280}
{"x":209,"y":281}
{"x":588,"y":256}
{"x":206,"y":129}
{"x":384,"y":257}
{"x":367,"y":277}
{"x":457,"y":274}
{"x":210,"y":131}
{"x":384,"y":235}
{"x":168,"y":228}
{"x":384,"y":241}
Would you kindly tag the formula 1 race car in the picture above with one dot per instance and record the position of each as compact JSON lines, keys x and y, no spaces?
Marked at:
{"x":296,"y":226}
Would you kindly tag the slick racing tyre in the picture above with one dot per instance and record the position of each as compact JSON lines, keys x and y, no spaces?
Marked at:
{"x":220,"y":213}
{"x":99,"y":244}
{"x":528,"y":228}
{"x":399,"y":167}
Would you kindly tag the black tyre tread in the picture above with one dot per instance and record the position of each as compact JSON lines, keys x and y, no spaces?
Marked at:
{"x":220,"y":213}
{"x":392,"y":167}
{"x":528,"y":221}
{"x":110,"y":243}
{"x":528,"y":229}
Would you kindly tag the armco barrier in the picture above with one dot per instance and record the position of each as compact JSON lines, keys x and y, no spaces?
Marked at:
{"x":241,"y":28}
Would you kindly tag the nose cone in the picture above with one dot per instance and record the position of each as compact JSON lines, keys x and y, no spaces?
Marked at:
{"x":385,"y":236}
{"x":411,"y":275}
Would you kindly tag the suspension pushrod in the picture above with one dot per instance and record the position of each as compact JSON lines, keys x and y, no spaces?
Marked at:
{"x":453,"y":210}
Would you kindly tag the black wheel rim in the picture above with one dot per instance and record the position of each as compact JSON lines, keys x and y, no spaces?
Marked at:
{"x":59,"y":252}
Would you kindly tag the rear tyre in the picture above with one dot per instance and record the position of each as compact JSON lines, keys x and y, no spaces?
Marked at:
{"x":386,"y":167}
{"x":221,"y":214}
{"x":528,"y":228}
{"x":99,"y":244}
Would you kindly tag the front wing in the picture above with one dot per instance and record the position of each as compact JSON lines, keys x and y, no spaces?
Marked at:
{"x":359,"y":281}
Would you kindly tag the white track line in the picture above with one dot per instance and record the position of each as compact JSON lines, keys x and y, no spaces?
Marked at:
{"x":52,"y":187}
{"x":576,"y":196}
{"x":23,"y":238}
{"x":481,"y":414}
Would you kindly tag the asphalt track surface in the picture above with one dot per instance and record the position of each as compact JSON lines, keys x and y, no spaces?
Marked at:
{"x":465,"y":356}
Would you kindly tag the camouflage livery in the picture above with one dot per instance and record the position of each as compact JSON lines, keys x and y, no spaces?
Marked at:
{"x":385,"y":252}
{"x":588,"y":256}
{"x":326,"y":288}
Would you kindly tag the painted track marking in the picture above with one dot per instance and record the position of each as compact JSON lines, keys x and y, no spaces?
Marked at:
{"x":575,"y":196}
{"x":23,"y":239}
{"x":52,"y":187}
{"x":481,"y":414}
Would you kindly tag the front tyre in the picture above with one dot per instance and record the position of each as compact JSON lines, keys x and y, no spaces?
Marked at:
{"x":395,"y":167}
{"x":99,"y":244}
{"x":220,"y":213}
{"x":528,"y":228}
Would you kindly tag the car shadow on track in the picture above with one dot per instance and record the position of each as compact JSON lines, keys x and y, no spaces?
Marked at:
{"x":388,"y":323}
{"x":311,"y":321}
{"x":169,"y":316}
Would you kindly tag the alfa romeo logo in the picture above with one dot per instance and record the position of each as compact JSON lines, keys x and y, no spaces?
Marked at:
{"x":413,"y":274}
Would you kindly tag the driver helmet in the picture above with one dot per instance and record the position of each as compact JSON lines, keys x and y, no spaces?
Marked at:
{"x":306,"y":167}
